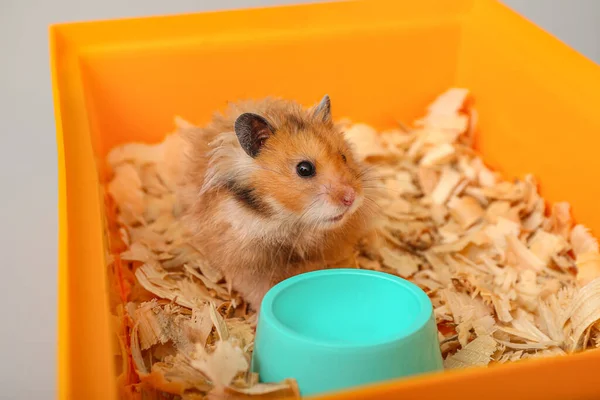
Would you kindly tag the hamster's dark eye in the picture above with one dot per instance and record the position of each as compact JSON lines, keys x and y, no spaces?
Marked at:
{"x":343,"y":158}
{"x":305,"y":169}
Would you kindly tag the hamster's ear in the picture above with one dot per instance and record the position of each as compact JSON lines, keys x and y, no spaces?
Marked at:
{"x":323,"y":110}
{"x":252,"y":131}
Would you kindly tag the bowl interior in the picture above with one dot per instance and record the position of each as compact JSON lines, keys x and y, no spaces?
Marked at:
{"x":350,"y":307}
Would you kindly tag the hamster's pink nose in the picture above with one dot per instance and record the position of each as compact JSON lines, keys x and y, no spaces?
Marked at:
{"x":348,"y":197}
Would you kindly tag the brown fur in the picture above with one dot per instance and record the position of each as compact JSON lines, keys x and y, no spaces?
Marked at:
{"x":283,"y":233}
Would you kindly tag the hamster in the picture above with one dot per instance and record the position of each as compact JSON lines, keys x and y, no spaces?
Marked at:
{"x":271,"y":190}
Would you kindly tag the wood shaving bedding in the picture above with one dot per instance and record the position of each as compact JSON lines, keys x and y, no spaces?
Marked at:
{"x":507,"y":281}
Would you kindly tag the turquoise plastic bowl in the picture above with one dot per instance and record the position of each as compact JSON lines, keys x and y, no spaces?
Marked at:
{"x":341,"y":328}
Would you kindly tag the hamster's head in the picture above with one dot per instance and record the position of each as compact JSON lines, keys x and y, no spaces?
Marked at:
{"x":302,"y":168}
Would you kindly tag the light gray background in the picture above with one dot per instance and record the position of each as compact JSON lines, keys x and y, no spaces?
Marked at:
{"x":28,"y":219}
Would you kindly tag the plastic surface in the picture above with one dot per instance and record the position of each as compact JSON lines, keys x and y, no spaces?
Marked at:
{"x":380,"y":61}
{"x":342,"y":328}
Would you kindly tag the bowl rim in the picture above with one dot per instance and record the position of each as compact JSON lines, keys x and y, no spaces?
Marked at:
{"x":267,"y":316}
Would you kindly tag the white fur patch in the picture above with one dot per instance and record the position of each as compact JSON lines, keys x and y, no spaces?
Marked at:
{"x":323,"y":210}
{"x":227,"y":161}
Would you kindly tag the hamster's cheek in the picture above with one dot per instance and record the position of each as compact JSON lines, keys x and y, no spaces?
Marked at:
{"x":289,"y":196}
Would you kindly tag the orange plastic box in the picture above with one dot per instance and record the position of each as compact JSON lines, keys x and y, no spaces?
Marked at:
{"x":125,"y":80}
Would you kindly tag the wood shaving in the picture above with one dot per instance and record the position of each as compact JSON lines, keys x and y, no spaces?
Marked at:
{"x":178,"y":288}
{"x":585,"y":311}
{"x":476,"y":353}
{"x":438,"y":155}
{"x":367,"y":143}
{"x":466,"y":210}
{"x":448,"y":181}
{"x":402,"y":263}
{"x":222,"y":365}
{"x":546,"y":245}
{"x":582,"y":241}
{"x":560,"y":220}
{"x":508,"y":280}
{"x":522,"y":257}
{"x":588,"y":267}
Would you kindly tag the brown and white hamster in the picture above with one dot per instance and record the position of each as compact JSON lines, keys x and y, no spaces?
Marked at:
{"x":273,"y":190}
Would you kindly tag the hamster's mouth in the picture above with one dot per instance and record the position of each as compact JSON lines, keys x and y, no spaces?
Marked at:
{"x":338,"y":218}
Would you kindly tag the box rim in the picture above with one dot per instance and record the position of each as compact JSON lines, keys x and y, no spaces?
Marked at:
{"x":57,"y":33}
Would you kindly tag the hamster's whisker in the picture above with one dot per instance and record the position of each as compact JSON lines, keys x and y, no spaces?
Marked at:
{"x":371,"y":179}
{"x":365,"y":171}
{"x":383,"y":188}
{"x":372,"y":202}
